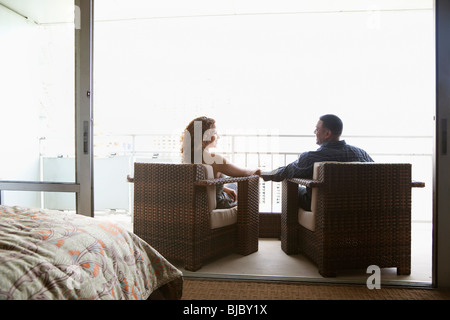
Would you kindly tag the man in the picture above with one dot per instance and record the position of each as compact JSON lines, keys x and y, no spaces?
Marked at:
{"x":328,"y":132}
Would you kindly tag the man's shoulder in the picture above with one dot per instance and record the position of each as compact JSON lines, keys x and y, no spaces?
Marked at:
{"x":353,"y":147}
{"x":310,"y":155}
{"x":363,"y":154}
{"x":361,"y":150}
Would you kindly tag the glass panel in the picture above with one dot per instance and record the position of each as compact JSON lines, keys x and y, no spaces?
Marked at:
{"x":267,"y":68}
{"x":37,"y":93}
{"x":49,"y":200}
{"x":264,"y":71}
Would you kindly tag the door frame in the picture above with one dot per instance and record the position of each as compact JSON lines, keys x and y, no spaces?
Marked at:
{"x":84,"y":168}
{"x":83,"y":185}
{"x":441,"y":216}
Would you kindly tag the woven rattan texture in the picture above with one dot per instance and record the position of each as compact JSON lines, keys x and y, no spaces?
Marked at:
{"x":363,"y":217}
{"x":269,"y":225}
{"x":171,"y":213}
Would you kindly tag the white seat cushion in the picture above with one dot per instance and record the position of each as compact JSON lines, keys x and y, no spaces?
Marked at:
{"x":307,"y":219}
{"x":219,"y":217}
{"x":223,"y":217}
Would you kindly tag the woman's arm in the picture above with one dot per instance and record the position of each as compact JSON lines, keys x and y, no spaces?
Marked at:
{"x":232,"y":170}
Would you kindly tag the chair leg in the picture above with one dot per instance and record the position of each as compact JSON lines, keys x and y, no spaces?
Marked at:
{"x":289,"y":218}
{"x":248,"y":217}
{"x":289,"y":248}
{"x":193,"y":268}
{"x":327,"y":273}
{"x":403,"y":270}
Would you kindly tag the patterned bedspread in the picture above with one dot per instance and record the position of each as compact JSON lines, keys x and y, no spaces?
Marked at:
{"x":54,"y":255}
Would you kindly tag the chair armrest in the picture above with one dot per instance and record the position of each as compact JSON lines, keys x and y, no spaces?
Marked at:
{"x":289,"y":215}
{"x":306,"y":182}
{"x":248,"y":210}
{"x":212,"y":182}
{"x":417,"y":184}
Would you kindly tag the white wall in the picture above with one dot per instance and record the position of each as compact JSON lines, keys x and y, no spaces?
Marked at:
{"x":19,"y":104}
{"x":36,"y":98}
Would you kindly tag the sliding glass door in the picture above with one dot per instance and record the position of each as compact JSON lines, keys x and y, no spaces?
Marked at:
{"x":45,"y":106}
{"x":266,"y":71}
{"x":373,"y":65}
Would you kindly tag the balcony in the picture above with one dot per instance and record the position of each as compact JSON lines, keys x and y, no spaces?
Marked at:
{"x":116,"y":154}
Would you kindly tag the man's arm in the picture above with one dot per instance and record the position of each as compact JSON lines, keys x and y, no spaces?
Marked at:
{"x":297,"y":169}
{"x":273,"y":175}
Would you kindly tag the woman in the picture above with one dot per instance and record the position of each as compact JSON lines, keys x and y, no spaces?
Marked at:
{"x":197,"y":140}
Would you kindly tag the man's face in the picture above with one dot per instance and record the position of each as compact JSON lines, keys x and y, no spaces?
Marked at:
{"x":322,"y":134}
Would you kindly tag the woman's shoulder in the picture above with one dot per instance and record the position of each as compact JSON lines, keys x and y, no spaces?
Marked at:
{"x":213,"y":158}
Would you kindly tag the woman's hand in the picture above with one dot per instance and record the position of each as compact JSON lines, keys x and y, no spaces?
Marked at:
{"x":257,"y":172}
{"x":231,"y":193}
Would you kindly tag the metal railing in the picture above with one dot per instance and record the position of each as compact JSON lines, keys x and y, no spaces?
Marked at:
{"x":271,"y":151}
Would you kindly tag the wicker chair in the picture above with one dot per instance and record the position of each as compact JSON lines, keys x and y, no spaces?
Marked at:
{"x":361,"y":216}
{"x":173,"y":209}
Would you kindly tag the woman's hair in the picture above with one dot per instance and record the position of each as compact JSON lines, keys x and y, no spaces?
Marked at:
{"x":188,"y":141}
{"x":333,"y":123}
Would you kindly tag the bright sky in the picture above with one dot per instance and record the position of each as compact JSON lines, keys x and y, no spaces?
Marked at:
{"x":266,"y":72}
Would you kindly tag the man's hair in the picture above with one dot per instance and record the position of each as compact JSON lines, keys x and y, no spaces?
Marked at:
{"x":332,"y":123}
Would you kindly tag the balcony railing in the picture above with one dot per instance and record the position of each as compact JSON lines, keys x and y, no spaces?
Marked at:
{"x":115,"y":156}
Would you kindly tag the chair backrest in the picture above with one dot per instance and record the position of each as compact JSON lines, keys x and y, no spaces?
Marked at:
{"x":365,"y":186}
{"x":368,"y":183}
{"x":316,"y":177}
{"x":169,"y":182}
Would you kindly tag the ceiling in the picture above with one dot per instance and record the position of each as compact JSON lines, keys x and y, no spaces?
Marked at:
{"x":61,"y":11}
{"x":42,"y":11}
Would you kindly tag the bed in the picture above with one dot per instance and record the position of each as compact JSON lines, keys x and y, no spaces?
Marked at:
{"x":49,"y":255}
